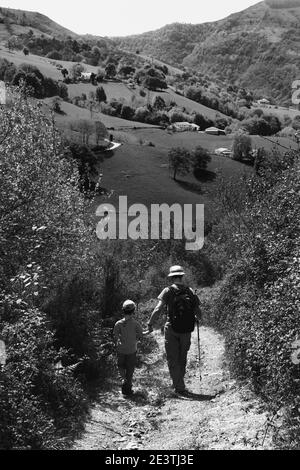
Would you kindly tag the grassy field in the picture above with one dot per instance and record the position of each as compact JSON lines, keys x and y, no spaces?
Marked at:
{"x":112,"y":90}
{"x":190,"y":105}
{"x":71,"y":112}
{"x":45,"y":65}
{"x":279,"y":111}
{"x":142,"y":173}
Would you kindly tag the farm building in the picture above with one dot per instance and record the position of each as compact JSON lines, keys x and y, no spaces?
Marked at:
{"x":223,"y":152}
{"x":184,"y":126}
{"x":215,"y":131}
{"x":86,"y":76}
{"x":264,"y":102}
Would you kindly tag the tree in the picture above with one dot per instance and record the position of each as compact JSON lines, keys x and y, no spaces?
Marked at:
{"x":154,"y":83}
{"x":242,"y":147}
{"x":76,"y":71}
{"x":100,"y":75}
{"x":159,"y":103}
{"x":100,"y":94}
{"x":56,"y":105}
{"x":142,"y":114}
{"x":64,"y":72}
{"x":50,"y":87}
{"x":110,"y":70}
{"x":179,"y":161}
{"x":13,"y":43}
{"x":55,"y":55}
{"x":201,"y":158}
{"x":63,"y":91}
{"x":100,"y":131}
{"x":127,"y":112}
{"x":93,"y":78}
{"x":84,"y":127}
{"x":202,"y":121}
{"x":9,"y":73}
{"x":126,"y":70}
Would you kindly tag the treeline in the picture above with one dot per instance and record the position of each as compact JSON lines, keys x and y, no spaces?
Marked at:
{"x":283,"y":3}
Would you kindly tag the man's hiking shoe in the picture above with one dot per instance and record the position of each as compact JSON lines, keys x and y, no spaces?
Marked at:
{"x":127,"y":391}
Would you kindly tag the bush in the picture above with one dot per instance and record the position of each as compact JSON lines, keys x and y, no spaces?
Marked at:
{"x":257,"y":305}
{"x":108,"y":109}
{"x":142,"y":114}
{"x":38,"y":403}
{"x":50,"y":88}
{"x":242,"y":147}
{"x":201,"y":158}
{"x":55,"y":55}
{"x":178,"y":116}
{"x":127,"y":112}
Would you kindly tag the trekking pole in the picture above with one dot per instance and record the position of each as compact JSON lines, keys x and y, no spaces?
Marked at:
{"x":199,"y":351}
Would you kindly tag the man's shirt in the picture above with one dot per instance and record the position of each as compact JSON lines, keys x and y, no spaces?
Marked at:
{"x":163,"y":302}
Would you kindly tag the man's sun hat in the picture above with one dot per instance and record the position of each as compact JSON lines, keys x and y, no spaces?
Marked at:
{"x":176,"y":271}
{"x":129,"y":306}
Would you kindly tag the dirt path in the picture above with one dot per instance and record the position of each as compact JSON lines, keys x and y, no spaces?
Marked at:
{"x":220,"y":415}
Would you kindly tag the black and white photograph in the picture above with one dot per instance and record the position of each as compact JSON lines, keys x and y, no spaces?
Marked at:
{"x":149,"y":229}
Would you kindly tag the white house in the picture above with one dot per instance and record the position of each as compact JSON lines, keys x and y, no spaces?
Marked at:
{"x":86,"y":76}
{"x":214,"y":131}
{"x":264,"y":102}
{"x":223,"y":152}
{"x":184,"y":126}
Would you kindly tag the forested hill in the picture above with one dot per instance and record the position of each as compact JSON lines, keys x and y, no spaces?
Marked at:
{"x":20,"y":21}
{"x":257,"y":47}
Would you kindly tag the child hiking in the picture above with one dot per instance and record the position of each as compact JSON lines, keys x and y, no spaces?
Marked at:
{"x":183,"y":312}
{"x":127,"y":332}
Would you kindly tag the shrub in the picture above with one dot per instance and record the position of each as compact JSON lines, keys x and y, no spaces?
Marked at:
{"x":38,"y":403}
{"x":201,"y":158}
{"x":142,"y":114}
{"x":179,"y":161}
{"x":55,"y":55}
{"x":108,"y":109}
{"x":242,"y":147}
{"x":63,"y":91}
{"x":179,"y":116}
{"x":50,"y":87}
{"x":100,"y":94}
{"x":127,"y":112}
{"x":257,"y":305}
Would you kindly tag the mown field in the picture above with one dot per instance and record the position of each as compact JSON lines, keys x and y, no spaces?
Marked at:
{"x":279,"y":111}
{"x":44,"y":64}
{"x":142,"y":173}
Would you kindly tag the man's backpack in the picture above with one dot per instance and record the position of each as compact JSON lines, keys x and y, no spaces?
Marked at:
{"x":181,"y":307}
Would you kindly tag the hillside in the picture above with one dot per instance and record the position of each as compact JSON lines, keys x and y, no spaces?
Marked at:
{"x":256,"y":48}
{"x":20,"y":22}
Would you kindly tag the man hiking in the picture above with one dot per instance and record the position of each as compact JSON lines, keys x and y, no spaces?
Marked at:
{"x":126,"y":333}
{"x":183,"y":312}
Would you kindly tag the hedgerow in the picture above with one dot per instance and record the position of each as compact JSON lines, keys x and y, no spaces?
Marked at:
{"x":258,"y":304}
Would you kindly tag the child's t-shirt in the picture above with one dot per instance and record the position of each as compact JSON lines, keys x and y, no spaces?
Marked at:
{"x":127,"y":332}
